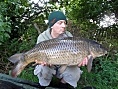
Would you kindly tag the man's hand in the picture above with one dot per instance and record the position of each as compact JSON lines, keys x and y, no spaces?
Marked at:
{"x":85,"y":61}
{"x":40,"y":63}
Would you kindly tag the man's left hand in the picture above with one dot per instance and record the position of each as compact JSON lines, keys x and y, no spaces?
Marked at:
{"x":84,"y":62}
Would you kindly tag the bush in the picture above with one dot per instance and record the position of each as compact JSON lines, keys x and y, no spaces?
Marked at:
{"x":104,"y":74}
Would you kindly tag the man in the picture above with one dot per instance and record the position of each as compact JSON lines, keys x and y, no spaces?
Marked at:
{"x":57,"y":25}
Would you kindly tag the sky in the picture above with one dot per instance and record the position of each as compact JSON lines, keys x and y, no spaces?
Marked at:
{"x":36,"y":0}
{"x":108,"y":20}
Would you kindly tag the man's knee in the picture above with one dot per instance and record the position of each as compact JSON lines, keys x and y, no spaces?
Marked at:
{"x":72,"y":75}
{"x":44,"y":74}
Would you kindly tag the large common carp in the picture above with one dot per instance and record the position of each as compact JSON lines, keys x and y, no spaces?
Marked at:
{"x":67,"y":51}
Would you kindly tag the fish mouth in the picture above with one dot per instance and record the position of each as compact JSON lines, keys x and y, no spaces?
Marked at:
{"x":105,"y":53}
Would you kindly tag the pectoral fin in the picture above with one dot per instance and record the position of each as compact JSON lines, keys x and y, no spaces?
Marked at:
{"x":89,"y":65}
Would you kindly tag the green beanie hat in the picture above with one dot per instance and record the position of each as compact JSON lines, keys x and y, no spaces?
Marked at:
{"x":56,"y":16}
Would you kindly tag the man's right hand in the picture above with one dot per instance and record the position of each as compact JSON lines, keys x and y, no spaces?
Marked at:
{"x":40,"y":62}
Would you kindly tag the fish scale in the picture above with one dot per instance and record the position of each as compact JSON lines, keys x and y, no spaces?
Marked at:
{"x":64,"y":52}
{"x":59,"y":51}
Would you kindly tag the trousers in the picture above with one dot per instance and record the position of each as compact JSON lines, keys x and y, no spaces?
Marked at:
{"x":70,"y":75}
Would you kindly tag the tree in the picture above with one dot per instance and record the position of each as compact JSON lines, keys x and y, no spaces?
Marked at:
{"x":87,"y":15}
{"x":16,"y":16}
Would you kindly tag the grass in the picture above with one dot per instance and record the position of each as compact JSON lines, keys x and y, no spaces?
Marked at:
{"x":28,"y":74}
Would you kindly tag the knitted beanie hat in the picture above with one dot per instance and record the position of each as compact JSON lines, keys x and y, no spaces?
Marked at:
{"x":56,"y":16}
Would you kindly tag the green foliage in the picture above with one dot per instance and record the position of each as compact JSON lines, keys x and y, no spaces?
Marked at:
{"x":17,"y":34}
{"x":26,"y":40}
{"x":10,"y":11}
{"x":81,"y":10}
{"x":28,"y":74}
{"x":108,"y":73}
{"x":104,"y":74}
{"x":5,"y":29}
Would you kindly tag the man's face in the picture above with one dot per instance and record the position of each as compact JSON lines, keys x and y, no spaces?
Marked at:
{"x":59,"y":27}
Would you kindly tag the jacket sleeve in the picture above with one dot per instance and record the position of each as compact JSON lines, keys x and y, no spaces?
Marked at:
{"x":44,"y":36}
{"x":40,"y":38}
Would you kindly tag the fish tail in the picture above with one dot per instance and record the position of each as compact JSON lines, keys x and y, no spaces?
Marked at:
{"x":19,"y":64}
{"x":16,"y":58}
